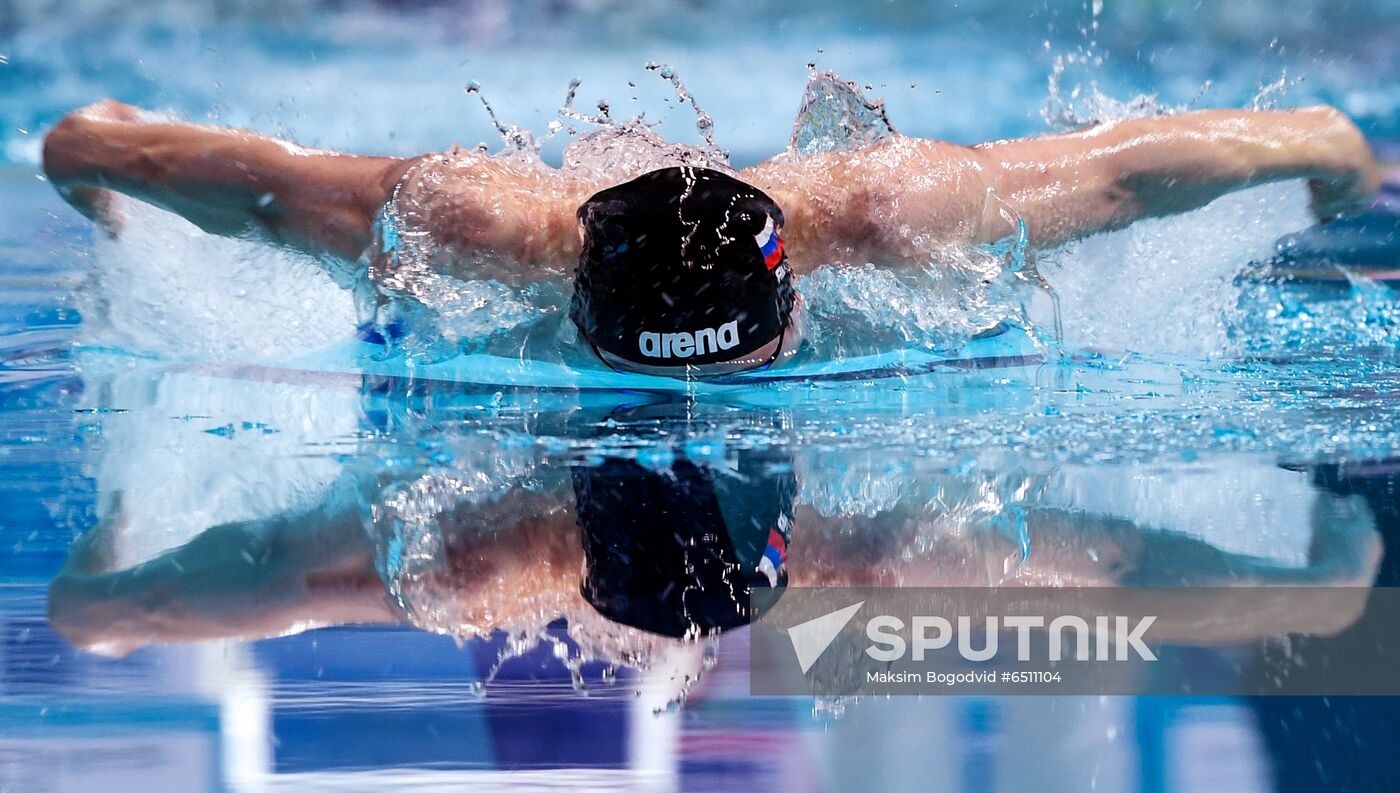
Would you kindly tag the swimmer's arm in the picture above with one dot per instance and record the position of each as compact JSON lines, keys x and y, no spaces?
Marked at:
{"x":1107,"y":176}
{"x":228,"y":182}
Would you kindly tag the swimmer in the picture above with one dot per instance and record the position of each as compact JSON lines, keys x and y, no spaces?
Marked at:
{"x":688,"y":271}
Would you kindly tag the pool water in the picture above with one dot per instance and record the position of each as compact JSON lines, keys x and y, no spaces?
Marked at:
{"x":236,"y":561}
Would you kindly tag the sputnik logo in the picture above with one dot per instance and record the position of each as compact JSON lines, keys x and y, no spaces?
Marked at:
{"x":811,"y":638}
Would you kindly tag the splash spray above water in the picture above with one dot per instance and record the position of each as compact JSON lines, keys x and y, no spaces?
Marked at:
{"x":1073,"y":96}
{"x":616,"y":152}
{"x":1187,"y":264}
{"x":517,"y":139}
{"x":836,"y":116}
{"x":704,"y":123}
{"x":1269,"y":95}
{"x":603,"y":143}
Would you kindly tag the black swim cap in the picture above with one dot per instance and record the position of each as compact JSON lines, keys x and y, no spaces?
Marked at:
{"x":678,"y":551}
{"x":681,"y":266}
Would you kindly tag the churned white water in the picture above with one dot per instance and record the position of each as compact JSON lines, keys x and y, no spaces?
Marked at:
{"x":1166,"y":285}
{"x":165,"y":288}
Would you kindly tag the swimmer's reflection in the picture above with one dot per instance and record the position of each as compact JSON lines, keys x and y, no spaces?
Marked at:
{"x":658,"y":528}
{"x":678,"y":552}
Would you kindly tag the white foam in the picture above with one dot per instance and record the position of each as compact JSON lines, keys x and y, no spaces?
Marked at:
{"x":26,"y":149}
{"x":1166,"y":284}
{"x":166,"y":288}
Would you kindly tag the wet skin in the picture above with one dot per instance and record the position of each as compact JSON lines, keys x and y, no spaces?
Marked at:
{"x":891,"y":202}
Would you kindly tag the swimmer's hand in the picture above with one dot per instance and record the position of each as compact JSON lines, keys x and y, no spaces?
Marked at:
{"x":1350,"y":176}
{"x":65,"y":166}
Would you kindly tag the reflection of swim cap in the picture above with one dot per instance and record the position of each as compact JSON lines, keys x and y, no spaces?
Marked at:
{"x":681,"y":267}
{"x":677,"y":551}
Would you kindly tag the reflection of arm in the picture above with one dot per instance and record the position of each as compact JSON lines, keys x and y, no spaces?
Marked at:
{"x":1111,"y":558}
{"x":237,"y":580}
{"x":1345,"y":553}
{"x":517,"y":555}
{"x":1206,"y":595}
{"x":1066,"y":549}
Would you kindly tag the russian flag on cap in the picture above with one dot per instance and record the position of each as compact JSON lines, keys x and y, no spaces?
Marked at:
{"x":773,"y":557}
{"x":769,"y":244}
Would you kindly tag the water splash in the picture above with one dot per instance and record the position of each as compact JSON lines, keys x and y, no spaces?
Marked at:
{"x":1082,"y":105}
{"x":859,"y":310}
{"x":836,"y":116}
{"x":444,"y":302}
{"x":704,"y":122}
{"x":603,"y":116}
{"x":1270,"y":94}
{"x":961,"y":291}
{"x":1357,"y":326}
{"x":519,"y":142}
{"x":1073,"y":97}
{"x":1188,"y":263}
{"x":1074,"y":100}
{"x":619,"y":152}
{"x":1169,"y":284}
{"x":1020,"y":282}
{"x":164,"y":288}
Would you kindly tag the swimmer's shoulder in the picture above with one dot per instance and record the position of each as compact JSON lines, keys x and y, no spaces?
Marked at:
{"x":420,"y":176}
{"x":436,"y":178}
{"x":463,"y":204}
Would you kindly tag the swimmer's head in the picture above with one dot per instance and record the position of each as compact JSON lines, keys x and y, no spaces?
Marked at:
{"x":683,"y":273}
